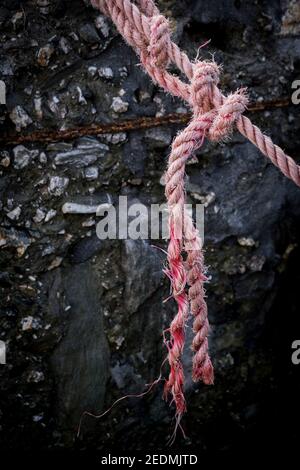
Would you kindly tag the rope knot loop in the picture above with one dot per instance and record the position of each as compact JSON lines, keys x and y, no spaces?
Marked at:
{"x":160,"y":41}
{"x":228,"y":113}
{"x":205,"y":76}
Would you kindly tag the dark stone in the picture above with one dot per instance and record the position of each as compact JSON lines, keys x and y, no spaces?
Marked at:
{"x":143,"y":272}
{"x":85,"y":249}
{"x":134,"y":154}
{"x":88,"y":33}
{"x":80,"y":362}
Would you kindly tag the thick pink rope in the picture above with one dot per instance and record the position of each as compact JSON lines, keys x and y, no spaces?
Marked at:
{"x":135,"y":26}
{"x":214,"y":117}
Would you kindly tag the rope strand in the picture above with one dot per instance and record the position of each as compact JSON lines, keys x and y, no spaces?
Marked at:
{"x":214,"y":117}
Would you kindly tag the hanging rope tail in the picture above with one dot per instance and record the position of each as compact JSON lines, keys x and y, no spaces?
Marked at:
{"x":214,"y":117}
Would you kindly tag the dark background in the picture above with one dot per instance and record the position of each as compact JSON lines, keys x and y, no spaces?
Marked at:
{"x":83,"y":318}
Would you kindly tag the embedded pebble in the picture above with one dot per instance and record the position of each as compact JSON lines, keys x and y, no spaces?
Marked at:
{"x":44,"y":6}
{"x":29,"y":323}
{"x":87,"y":143}
{"x":37,"y":101}
{"x":118,"y":105}
{"x":14,"y":214}
{"x":74,"y":208}
{"x":57,"y":108}
{"x":91,"y":173}
{"x":246,"y":241}
{"x":44,"y":55}
{"x":123,"y":72}
{"x":158,"y":137}
{"x":256,"y":263}
{"x":17,"y":19}
{"x":92,"y":70}
{"x":55,"y":263}
{"x":39,"y":216}
{"x":43,"y":157}
{"x":162,"y":180}
{"x":48,"y":250}
{"x":105,"y":72}
{"x":115,"y":138}
{"x":88,"y":223}
{"x":16,"y":239}
{"x":64,"y":45}
{"x":38,"y":418}
{"x":205,"y":199}
{"x":81,"y":98}
{"x":5,"y":159}
{"x":58,"y":185}
{"x":102,"y":24}
{"x":23,"y":156}
{"x":144,"y":95}
{"x":35,"y":376}
{"x":291,"y":19}
{"x":50,"y":215}
{"x":82,"y":156}
{"x":20,"y":118}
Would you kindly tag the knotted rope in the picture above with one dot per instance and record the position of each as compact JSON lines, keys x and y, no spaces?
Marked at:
{"x":214,"y":117}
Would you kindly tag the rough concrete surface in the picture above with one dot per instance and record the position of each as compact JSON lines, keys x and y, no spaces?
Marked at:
{"x":82,"y":318}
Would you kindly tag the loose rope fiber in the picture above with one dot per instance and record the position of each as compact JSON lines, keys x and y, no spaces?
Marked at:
{"x":214,"y":117}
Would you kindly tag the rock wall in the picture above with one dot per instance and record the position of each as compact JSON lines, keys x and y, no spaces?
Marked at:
{"x":83,"y":318}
